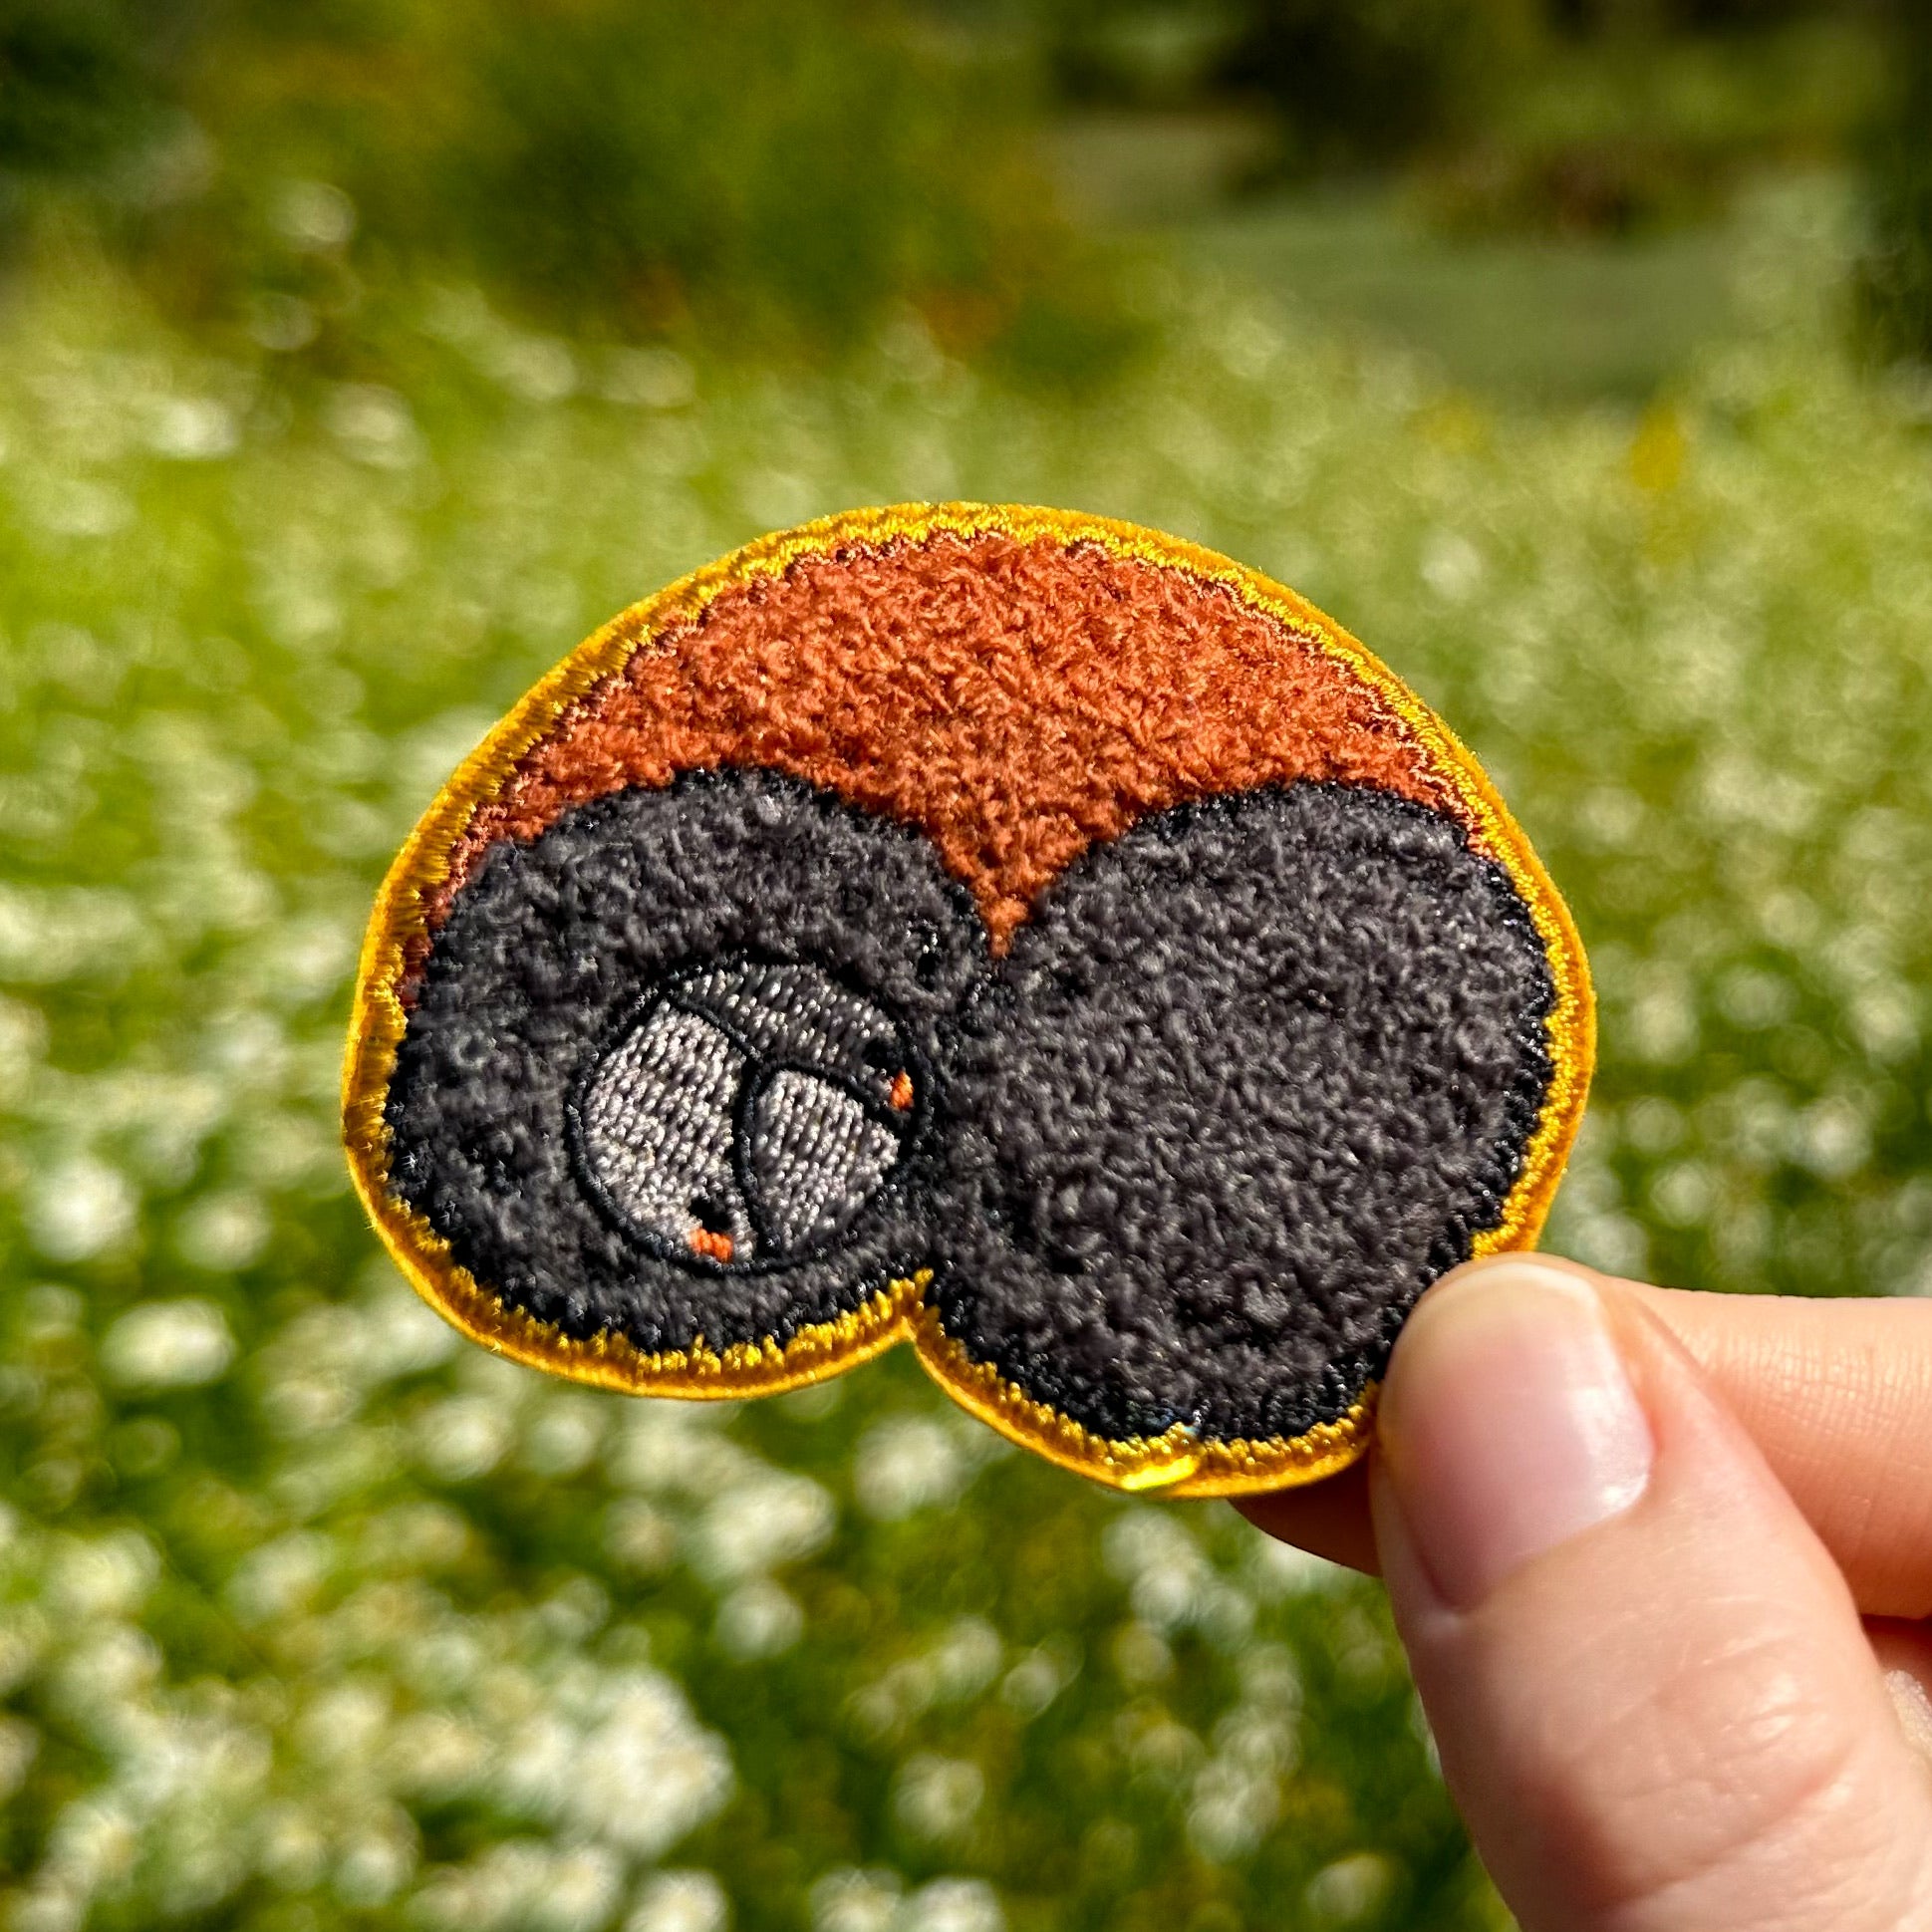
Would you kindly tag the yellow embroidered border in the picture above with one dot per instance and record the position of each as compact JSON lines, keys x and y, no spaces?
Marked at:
{"x":1179,"y":1461}
{"x":1177,"y":1464}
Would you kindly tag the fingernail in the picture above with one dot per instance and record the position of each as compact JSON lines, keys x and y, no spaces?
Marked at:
{"x":1508,"y":1425}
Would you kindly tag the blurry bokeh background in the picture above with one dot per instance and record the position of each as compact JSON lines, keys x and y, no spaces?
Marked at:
{"x":357,"y":358}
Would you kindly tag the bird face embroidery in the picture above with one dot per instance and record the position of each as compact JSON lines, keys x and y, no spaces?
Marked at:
{"x":745,"y":1113}
{"x":1013,"y":932}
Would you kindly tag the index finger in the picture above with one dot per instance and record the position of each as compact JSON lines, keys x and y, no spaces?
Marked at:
{"x":1838,"y":1396}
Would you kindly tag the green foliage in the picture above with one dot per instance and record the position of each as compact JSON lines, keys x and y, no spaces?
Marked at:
{"x":1515,"y":116}
{"x":782,"y":174}
{"x":1894,"y":283}
{"x":1374,"y":82}
{"x":1646,"y":134}
{"x":311,"y":1616}
{"x":779,"y":172}
{"x":760,"y":163}
{"x":818,"y":149}
{"x":1115,"y":52}
{"x":1634,"y":134}
{"x":72,"y":91}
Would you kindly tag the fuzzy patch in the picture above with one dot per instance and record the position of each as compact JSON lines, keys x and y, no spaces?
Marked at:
{"x":1018,"y":933}
{"x":1015,"y":699}
{"x":595,"y":1067}
{"x":1252,"y":1075}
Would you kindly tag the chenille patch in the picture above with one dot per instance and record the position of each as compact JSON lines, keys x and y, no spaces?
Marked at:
{"x":1012,"y":932}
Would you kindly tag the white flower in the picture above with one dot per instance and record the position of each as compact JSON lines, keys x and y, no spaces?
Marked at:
{"x":856,"y":1901}
{"x":374,"y":425}
{"x":681,"y":1902}
{"x":637,"y":1772}
{"x":564,"y":1432}
{"x":1281,"y":1569}
{"x":648,"y":1774}
{"x":222,"y":1232}
{"x":79,"y":1210}
{"x":908,"y":1463}
{"x":194,"y":428}
{"x":168,"y":1345}
{"x":936,"y":1797}
{"x":1350,"y":1889}
{"x":874,"y":1901}
{"x":19,"y":1746}
{"x":102,"y":1576}
{"x":315,"y":216}
{"x":464,"y":1437}
{"x":773,"y":1518}
{"x":759,"y":1620}
{"x":953,"y":1905}
{"x":278,"y":1579}
{"x":1231,"y":1806}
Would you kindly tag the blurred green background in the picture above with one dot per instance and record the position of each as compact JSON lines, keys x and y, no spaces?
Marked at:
{"x":357,"y":358}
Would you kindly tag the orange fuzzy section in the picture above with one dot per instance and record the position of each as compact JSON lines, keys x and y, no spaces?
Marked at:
{"x":1017,"y":700}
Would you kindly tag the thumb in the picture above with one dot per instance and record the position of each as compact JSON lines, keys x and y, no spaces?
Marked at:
{"x":1654,"y":1700}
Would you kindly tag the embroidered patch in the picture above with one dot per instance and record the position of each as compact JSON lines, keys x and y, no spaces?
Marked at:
{"x":1016,"y":932}
{"x":645,"y":1083}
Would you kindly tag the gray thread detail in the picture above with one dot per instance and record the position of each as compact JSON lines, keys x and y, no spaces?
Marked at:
{"x":816,"y":1157}
{"x":687,"y":1114}
{"x":657,"y":1118}
{"x":784,"y":1011}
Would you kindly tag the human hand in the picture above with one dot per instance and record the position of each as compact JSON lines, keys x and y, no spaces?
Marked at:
{"x":1661,"y":1562}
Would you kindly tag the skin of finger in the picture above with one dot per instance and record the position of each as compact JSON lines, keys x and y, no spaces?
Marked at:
{"x":1837,"y":1394}
{"x":1328,"y":1519}
{"x":1674,"y":1721}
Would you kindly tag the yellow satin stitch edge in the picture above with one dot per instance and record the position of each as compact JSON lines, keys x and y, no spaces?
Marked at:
{"x":1177,"y":1463}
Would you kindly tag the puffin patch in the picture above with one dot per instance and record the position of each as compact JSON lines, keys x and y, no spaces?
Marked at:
{"x":1012,"y":932}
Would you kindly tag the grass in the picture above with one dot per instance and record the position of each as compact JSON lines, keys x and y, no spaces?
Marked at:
{"x":1525,"y":320}
{"x":1519,"y":319}
{"x":310,"y":1617}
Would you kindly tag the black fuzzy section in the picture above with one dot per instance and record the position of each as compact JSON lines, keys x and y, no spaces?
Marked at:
{"x":1253,"y":1076}
{"x":553,"y":943}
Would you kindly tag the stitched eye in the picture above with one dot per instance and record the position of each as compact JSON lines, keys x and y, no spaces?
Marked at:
{"x":741,"y":1115}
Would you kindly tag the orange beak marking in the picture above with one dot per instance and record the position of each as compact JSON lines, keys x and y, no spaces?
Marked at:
{"x":715,"y":1246}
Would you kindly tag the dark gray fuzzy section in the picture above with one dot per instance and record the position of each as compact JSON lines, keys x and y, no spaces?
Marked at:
{"x":1251,"y":1078}
{"x":550,"y":948}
